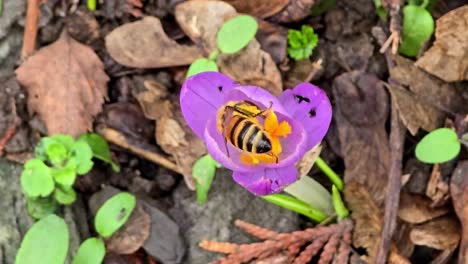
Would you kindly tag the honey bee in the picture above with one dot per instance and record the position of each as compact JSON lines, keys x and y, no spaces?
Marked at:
{"x":239,"y":124}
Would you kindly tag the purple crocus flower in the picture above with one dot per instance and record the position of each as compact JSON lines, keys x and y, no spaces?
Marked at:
{"x":295,"y":122}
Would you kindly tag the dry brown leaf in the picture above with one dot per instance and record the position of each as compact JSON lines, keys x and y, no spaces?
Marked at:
{"x":459,"y":193}
{"x":258,"y":8}
{"x":66,"y":85}
{"x":441,"y":233}
{"x":428,"y":98}
{"x":308,"y":160}
{"x":448,"y":57}
{"x":368,"y":222}
{"x":295,"y":11}
{"x":172,"y":134}
{"x":144,"y":44}
{"x":273,"y":39}
{"x":201,"y":21}
{"x":417,"y":209}
{"x":132,"y":235}
{"x":360,"y":113}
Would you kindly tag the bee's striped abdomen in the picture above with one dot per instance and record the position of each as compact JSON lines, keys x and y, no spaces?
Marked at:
{"x":247,"y":135}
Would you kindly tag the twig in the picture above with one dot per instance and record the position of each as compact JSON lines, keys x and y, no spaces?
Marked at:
{"x":119,"y":139}
{"x":30,"y":28}
{"x":393,"y":186}
{"x":395,"y":27}
{"x":9,"y":133}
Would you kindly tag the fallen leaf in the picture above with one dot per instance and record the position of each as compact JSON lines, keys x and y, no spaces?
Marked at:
{"x":441,"y":233}
{"x":144,"y":44}
{"x":259,"y":8}
{"x":172,"y":134}
{"x":273,"y":39}
{"x":308,"y":160}
{"x":132,"y":235}
{"x":417,"y":209}
{"x":360,"y":114}
{"x":295,"y":11}
{"x":83,"y":26}
{"x":448,"y":57}
{"x":201,"y":21}
{"x":66,"y":85}
{"x":368,"y":222}
{"x":437,"y":188}
{"x":426,"y":93}
{"x":301,"y":71}
{"x":459,"y":193}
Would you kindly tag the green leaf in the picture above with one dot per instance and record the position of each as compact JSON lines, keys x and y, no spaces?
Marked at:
{"x":381,"y":11}
{"x":57,"y":153}
{"x":301,"y":43}
{"x":91,"y":251}
{"x":100,"y":148}
{"x":418,"y":26}
{"x":65,"y":196}
{"x":66,"y":175}
{"x":91,"y":4}
{"x":45,"y":243}
{"x":201,"y":65}
{"x":40,"y":207}
{"x":297,"y":206}
{"x":236,"y":33}
{"x":203,"y":171}
{"x":41,"y":149}
{"x":114,"y":213}
{"x":310,"y":191}
{"x":82,"y":154}
{"x":36,"y":179}
{"x":322,"y":6}
{"x":340,"y":208}
{"x":441,"y":145}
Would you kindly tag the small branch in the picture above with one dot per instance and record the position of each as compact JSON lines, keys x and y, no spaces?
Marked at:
{"x":393,"y":186}
{"x":119,"y":139}
{"x":30,"y":28}
{"x":9,"y":133}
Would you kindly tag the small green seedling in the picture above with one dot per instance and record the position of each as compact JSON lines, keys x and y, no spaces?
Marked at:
{"x":47,"y":180}
{"x":91,"y":4}
{"x":236,"y":33}
{"x":203,"y":172}
{"x":301,"y":43}
{"x":91,"y":251}
{"x":418,"y":26}
{"x":114,"y":213}
{"x":297,"y":206}
{"x":441,"y":145}
{"x":46,"y":242}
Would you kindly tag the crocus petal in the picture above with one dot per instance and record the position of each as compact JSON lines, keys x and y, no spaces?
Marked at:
{"x":266,"y":181}
{"x":309,"y":105}
{"x":201,"y":96}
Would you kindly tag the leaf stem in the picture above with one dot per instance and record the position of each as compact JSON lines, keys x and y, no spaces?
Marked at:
{"x":330,"y":173}
{"x":297,"y":206}
{"x":424,"y":4}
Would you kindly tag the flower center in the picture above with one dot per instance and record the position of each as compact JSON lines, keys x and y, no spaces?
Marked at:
{"x":240,"y":123}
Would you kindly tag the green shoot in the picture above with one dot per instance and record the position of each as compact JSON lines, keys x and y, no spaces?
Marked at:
{"x":114,"y":213}
{"x":91,"y":4}
{"x":91,"y":251}
{"x":297,"y":206}
{"x":334,"y":178}
{"x":340,"y":208}
{"x":236,"y":33}
{"x":441,"y":145}
{"x":418,"y":26}
{"x":310,"y":191}
{"x":301,"y":43}
{"x":201,"y":65}
{"x":203,"y":172}
{"x":46,"y":242}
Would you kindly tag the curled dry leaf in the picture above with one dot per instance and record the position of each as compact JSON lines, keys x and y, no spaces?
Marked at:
{"x":448,"y":57}
{"x":306,"y":163}
{"x":172,"y":134}
{"x":273,"y":39}
{"x":459,"y":193}
{"x":417,"y":209}
{"x":360,"y":115}
{"x":144,"y":44}
{"x":441,"y":233}
{"x":66,"y":85}
{"x":132,"y":235}
{"x":424,"y":103}
{"x":259,"y":8}
{"x":295,"y":11}
{"x":368,"y":222}
{"x":201,"y":21}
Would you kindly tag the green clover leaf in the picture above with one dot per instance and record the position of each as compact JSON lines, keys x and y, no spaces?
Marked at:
{"x":236,"y":33}
{"x":36,"y":179}
{"x":301,"y":43}
{"x":100,"y":148}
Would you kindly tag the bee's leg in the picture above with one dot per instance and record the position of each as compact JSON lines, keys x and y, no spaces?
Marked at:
{"x":265,"y":112}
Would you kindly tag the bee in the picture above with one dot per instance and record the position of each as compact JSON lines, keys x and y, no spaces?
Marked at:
{"x":239,"y":124}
